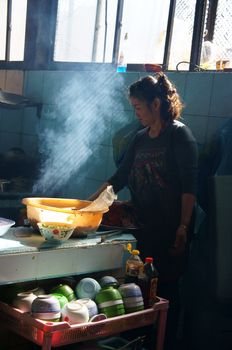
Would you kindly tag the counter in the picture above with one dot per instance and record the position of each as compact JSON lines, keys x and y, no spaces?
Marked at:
{"x":26,"y":256}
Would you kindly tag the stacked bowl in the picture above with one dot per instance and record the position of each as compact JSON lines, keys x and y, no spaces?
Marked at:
{"x":132,"y":297}
{"x":109,"y":301}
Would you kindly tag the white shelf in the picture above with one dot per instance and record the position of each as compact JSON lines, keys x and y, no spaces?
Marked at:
{"x":26,"y":256}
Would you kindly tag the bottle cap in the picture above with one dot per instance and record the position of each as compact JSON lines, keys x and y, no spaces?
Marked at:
{"x":149,"y":259}
{"x":135,"y":252}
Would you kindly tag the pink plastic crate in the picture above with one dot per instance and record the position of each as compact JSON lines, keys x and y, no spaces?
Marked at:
{"x":53,"y":334}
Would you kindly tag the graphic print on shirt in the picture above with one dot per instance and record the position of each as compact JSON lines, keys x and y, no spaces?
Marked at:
{"x":147,"y":174}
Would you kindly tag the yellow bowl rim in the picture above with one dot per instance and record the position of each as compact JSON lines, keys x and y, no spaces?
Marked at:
{"x":31,"y":201}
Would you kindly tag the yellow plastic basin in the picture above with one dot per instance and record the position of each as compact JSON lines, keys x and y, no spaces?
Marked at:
{"x":64,"y":211}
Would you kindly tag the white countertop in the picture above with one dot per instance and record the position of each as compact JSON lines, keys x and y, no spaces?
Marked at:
{"x":26,"y":256}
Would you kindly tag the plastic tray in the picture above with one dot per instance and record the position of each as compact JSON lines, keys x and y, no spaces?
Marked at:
{"x":51,"y":334}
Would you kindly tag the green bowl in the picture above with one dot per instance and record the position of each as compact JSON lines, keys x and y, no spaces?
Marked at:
{"x":112,"y":311}
{"x":110,"y":302}
{"x":61,"y":298}
{"x":65,"y":290}
{"x":108,"y":293}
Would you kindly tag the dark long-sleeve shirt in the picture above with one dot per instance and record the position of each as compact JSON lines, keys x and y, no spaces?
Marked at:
{"x":158,"y":171}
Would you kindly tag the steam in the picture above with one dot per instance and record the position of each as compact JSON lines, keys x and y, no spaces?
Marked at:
{"x":83,"y":111}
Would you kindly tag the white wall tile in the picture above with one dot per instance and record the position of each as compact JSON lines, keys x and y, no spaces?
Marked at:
{"x":57,"y":84}
{"x":89,"y":186}
{"x":9,"y":140}
{"x":221,"y":102}
{"x":95,"y":166}
{"x":198,"y":126}
{"x":120,"y":119}
{"x":179,"y":79}
{"x":30,"y":121}
{"x":198,"y":93}
{"x":110,"y":165}
{"x":34,"y":85}
{"x":30,"y":144}
{"x":214,"y":126}
{"x":11,"y":120}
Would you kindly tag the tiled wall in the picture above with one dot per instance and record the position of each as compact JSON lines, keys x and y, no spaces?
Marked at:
{"x":82,"y":111}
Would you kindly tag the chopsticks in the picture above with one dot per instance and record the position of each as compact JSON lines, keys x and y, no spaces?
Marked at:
{"x":105,"y":234}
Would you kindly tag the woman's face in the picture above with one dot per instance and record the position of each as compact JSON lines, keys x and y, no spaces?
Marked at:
{"x":145,"y":115}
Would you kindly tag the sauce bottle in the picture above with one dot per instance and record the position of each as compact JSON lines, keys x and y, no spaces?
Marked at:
{"x":134,"y":267}
{"x":147,"y":280}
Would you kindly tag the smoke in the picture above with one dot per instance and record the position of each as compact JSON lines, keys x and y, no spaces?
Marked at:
{"x":84,"y":108}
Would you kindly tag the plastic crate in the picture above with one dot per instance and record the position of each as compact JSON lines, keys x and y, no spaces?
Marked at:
{"x":51,"y":334}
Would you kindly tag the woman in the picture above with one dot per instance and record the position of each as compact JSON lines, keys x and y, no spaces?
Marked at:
{"x":160,"y":170}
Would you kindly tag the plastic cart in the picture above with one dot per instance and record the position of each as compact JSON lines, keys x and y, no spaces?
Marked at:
{"x":51,"y":334}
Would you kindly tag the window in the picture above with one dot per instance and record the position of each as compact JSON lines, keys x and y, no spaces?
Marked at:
{"x":85,"y":30}
{"x":180,"y":48}
{"x":3,"y":29}
{"x":223,"y":30}
{"x":97,"y":19}
{"x":60,"y":34}
{"x":217,"y":46}
{"x":12,"y":29}
{"x":144,"y":24}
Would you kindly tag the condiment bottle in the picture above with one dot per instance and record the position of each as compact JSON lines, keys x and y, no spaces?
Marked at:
{"x":147,"y":280}
{"x":134,"y":266}
{"x":122,"y":65}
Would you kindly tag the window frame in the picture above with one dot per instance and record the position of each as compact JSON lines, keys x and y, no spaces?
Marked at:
{"x":39,"y":44}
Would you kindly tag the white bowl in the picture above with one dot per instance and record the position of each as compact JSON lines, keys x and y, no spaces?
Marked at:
{"x":55,"y":231}
{"x":23,"y":301}
{"x":5,"y":225}
{"x":75,"y":312}
{"x":91,"y":306}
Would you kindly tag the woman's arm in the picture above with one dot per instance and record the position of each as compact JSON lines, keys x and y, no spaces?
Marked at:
{"x":187,"y":161}
{"x":187,"y":204}
{"x":99,"y":191}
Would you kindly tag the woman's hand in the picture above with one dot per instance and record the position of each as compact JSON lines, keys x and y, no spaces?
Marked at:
{"x":98,"y":192}
{"x":180,"y":241}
